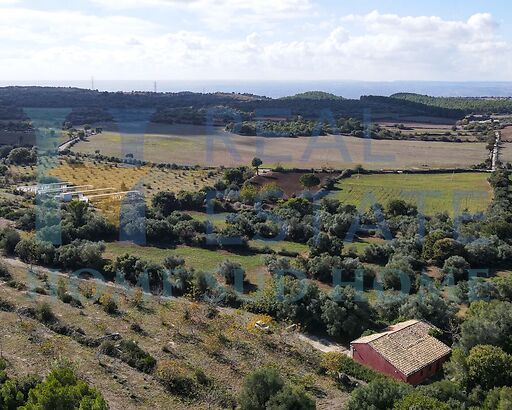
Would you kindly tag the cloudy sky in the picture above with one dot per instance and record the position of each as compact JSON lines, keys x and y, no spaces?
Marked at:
{"x":256,"y":40}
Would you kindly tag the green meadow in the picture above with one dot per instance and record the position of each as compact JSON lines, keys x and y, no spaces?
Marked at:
{"x":432,"y":193}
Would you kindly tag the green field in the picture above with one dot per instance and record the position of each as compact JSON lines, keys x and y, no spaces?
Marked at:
{"x":437,"y":192}
{"x":205,"y":259}
{"x":280,"y":246}
{"x":197,"y":258}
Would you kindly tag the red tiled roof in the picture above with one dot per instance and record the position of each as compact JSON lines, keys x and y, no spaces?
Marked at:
{"x":407,"y":346}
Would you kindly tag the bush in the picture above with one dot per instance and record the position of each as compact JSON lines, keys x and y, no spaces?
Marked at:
{"x":489,"y":367}
{"x":44,"y":313}
{"x":416,"y":401}
{"x":431,"y":307}
{"x":259,"y":387}
{"x":9,"y":238}
{"x":378,"y":394}
{"x":499,"y":399}
{"x":456,"y":266}
{"x":135,"y":357}
{"x":109,"y":304}
{"x":6,"y":306}
{"x":35,"y":252}
{"x":334,"y":362}
{"x":290,"y":398}
{"x":4,"y":272}
{"x":63,"y":390}
{"x":108,"y":348}
{"x":176,"y":379}
{"x":232,"y":272}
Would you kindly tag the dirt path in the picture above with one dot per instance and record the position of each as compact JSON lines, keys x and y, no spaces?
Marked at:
{"x":323,"y":345}
{"x":69,"y":143}
{"x":496,"y":152}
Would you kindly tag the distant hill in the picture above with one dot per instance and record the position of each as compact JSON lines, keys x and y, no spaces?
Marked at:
{"x":480,"y":105}
{"x":314,"y":95}
{"x":90,"y":106}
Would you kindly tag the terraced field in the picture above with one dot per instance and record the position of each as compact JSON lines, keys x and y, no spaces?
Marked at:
{"x":432,"y":193}
{"x":147,"y":180}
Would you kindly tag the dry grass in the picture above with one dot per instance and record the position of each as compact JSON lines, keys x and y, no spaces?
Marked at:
{"x":506,"y":153}
{"x":197,"y":145}
{"x":147,"y":180}
{"x":224,"y":347}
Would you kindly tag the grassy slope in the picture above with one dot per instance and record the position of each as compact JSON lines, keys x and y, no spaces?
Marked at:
{"x":193,"y":340}
{"x":440,"y":190}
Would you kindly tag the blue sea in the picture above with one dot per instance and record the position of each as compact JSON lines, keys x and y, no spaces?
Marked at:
{"x":276,"y":89}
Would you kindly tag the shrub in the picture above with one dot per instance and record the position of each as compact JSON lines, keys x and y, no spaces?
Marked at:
{"x":109,"y":304}
{"x":417,"y":401}
{"x":456,"y":266}
{"x":488,"y":367}
{"x":232,"y":272}
{"x":87,"y":290}
{"x":63,"y":390}
{"x":176,"y":379}
{"x":259,"y":387}
{"x":4,"y":272}
{"x":9,"y":238}
{"x":378,"y":394}
{"x":291,"y":398}
{"x":44,"y":313}
{"x":37,"y":252}
{"x":108,"y":348}
{"x":6,"y":306}
{"x":334,"y":362}
{"x":135,"y":357}
{"x":135,"y":327}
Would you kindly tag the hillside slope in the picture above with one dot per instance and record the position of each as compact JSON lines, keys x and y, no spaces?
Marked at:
{"x":201,"y":343}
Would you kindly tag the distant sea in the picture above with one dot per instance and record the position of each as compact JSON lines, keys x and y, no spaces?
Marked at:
{"x":275,"y":89}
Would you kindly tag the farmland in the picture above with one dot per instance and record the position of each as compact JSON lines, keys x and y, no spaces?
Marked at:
{"x":440,"y":190}
{"x":146,"y":179}
{"x":506,"y":152}
{"x":191,"y":145}
{"x":288,"y":182}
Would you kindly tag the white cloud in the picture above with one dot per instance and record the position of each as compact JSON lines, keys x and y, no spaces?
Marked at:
{"x":222,"y":14}
{"x":375,"y":46}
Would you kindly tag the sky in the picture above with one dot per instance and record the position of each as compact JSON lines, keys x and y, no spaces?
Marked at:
{"x":370,"y":40}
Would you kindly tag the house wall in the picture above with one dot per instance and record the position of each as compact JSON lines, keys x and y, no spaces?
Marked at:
{"x":426,"y":372}
{"x":364,"y":354}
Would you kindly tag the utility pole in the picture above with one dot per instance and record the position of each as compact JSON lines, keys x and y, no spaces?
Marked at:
{"x":155,"y":87}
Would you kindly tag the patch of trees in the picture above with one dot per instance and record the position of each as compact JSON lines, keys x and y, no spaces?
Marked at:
{"x":468,"y":105}
{"x":22,"y":156}
{"x":297,"y":128}
{"x":76,"y":255}
{"x":218,"y":115}
{"x":88,"y":115}
{"x":166,"y":203}
{"x":73,"y":221}
{"x":61,"y":389}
